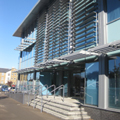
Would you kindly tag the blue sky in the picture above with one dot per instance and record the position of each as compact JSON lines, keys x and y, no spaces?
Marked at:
{"x":12,"y":13}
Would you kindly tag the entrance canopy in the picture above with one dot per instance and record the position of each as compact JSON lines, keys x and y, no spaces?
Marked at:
{"x":26,"y":70}
{"x":78,"y":55}
{"x":104,"y":49}
{"x":66,"y":59}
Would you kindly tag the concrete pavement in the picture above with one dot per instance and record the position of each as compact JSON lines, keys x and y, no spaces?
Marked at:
{"x":13,"y":110}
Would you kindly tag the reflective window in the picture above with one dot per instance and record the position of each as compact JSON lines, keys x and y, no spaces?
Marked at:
{"x":91,"y":90}
{"x":114,"y":82}
{"x":113,"y":9}
{"x":65,"y":82}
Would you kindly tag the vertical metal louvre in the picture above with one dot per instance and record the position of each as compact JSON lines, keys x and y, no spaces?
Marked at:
{"x":40,"y":49}
{"x":84,"y":24}
{"x":57,"y":29}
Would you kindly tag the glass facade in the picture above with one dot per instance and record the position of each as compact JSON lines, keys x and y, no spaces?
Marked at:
{"x":52,"y":31}
{"x":28,"y":57}
{"x":48,"y":78}
{"x":53,"y":36}
{"x":65,"y":82}
{"x":114,"y":82}
{"x":113,"y":15}
{"x":113,"y":9}
{"x":91,"y":88}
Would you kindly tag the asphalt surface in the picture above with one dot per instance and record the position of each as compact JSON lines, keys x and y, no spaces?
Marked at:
{"x":13,"y":110}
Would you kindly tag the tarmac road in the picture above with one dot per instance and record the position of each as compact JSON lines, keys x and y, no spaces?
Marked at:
{"x":13,"y":110}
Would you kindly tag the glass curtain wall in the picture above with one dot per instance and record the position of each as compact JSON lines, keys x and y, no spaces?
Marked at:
{"x":91,"y":87}
{"x":28,"y":57}
{"x":113,"y":9}
{"x":46,"y":78}
{"x":114,"y":82}
{"x":37,"y":78}
{"x":65,"y":82}
{"x":28,"y":54}
{"x":30,"y":79}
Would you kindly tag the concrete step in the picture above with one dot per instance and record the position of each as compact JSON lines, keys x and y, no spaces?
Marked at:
{"x":59,"y":101}
{"x":64,"y":117}
{"x":79,"y":111}
{"x":56,"y":105}
{"x":61,"y":111}
{"x":64,"y":112}
{"x":67,"y":110}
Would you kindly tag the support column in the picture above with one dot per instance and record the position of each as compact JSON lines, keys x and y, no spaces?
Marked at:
{"x":18,"y":81}
{"x":34,"y":77}
{"x":102,"y":22}
{"x":103,"y":83}
{"x":103,"y":80}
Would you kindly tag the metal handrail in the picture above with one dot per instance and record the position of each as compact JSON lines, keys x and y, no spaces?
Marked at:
{"x":42,"y":87}
{"x":59,"y":88}
{"x":30,"y":91}
{"x":40,"y":92}
{"x":35,"y":94}
{"x":42,"y":96}
{"x":47,"y":90}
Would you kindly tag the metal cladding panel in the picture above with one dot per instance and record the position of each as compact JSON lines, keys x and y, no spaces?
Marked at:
{"x":39,"y":53}
{"x":52,"y":31}
{"x":57,"y":29}
{"x":84,"y":24}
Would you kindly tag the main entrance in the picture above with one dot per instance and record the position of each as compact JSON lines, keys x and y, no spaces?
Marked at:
{"x":78,"y":84}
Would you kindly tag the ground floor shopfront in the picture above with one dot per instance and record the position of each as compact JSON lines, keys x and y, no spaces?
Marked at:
{"x":94,"y":81}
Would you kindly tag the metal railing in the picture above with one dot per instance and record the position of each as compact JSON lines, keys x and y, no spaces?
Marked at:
{"x":29,"y":90}
{"x":47,"y":90}
{"x":37,"y":89}
{"x":35,"y":93}
{"x":58,"y":88}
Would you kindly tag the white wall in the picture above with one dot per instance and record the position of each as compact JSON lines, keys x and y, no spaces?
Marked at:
{"x":8,"y":76}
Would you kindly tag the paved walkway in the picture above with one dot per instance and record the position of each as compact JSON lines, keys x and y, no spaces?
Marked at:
{"x":13,"y":110}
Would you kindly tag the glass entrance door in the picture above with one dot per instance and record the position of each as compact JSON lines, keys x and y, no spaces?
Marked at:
{"x":78,"y":82}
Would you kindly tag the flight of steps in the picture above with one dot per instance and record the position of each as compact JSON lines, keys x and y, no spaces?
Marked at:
{"x":68,"y":110}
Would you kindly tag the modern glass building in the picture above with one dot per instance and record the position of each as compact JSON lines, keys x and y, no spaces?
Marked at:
{"x":75,"y":43}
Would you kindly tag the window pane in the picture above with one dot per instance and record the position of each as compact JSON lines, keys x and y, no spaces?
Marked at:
{"x":114,"y":83}
{"x":91,"y":94}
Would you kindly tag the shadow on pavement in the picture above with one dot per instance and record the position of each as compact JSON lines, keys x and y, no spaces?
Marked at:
{"x":3,"y":96}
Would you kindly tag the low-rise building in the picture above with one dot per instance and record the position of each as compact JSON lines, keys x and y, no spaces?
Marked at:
{"x":3,"y":73}
{"x":13,"y":76}
{"x":8,"y":75}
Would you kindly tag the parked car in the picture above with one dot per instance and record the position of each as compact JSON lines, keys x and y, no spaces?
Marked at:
{"x":4,"y":88}
{"x":12,"y":89}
